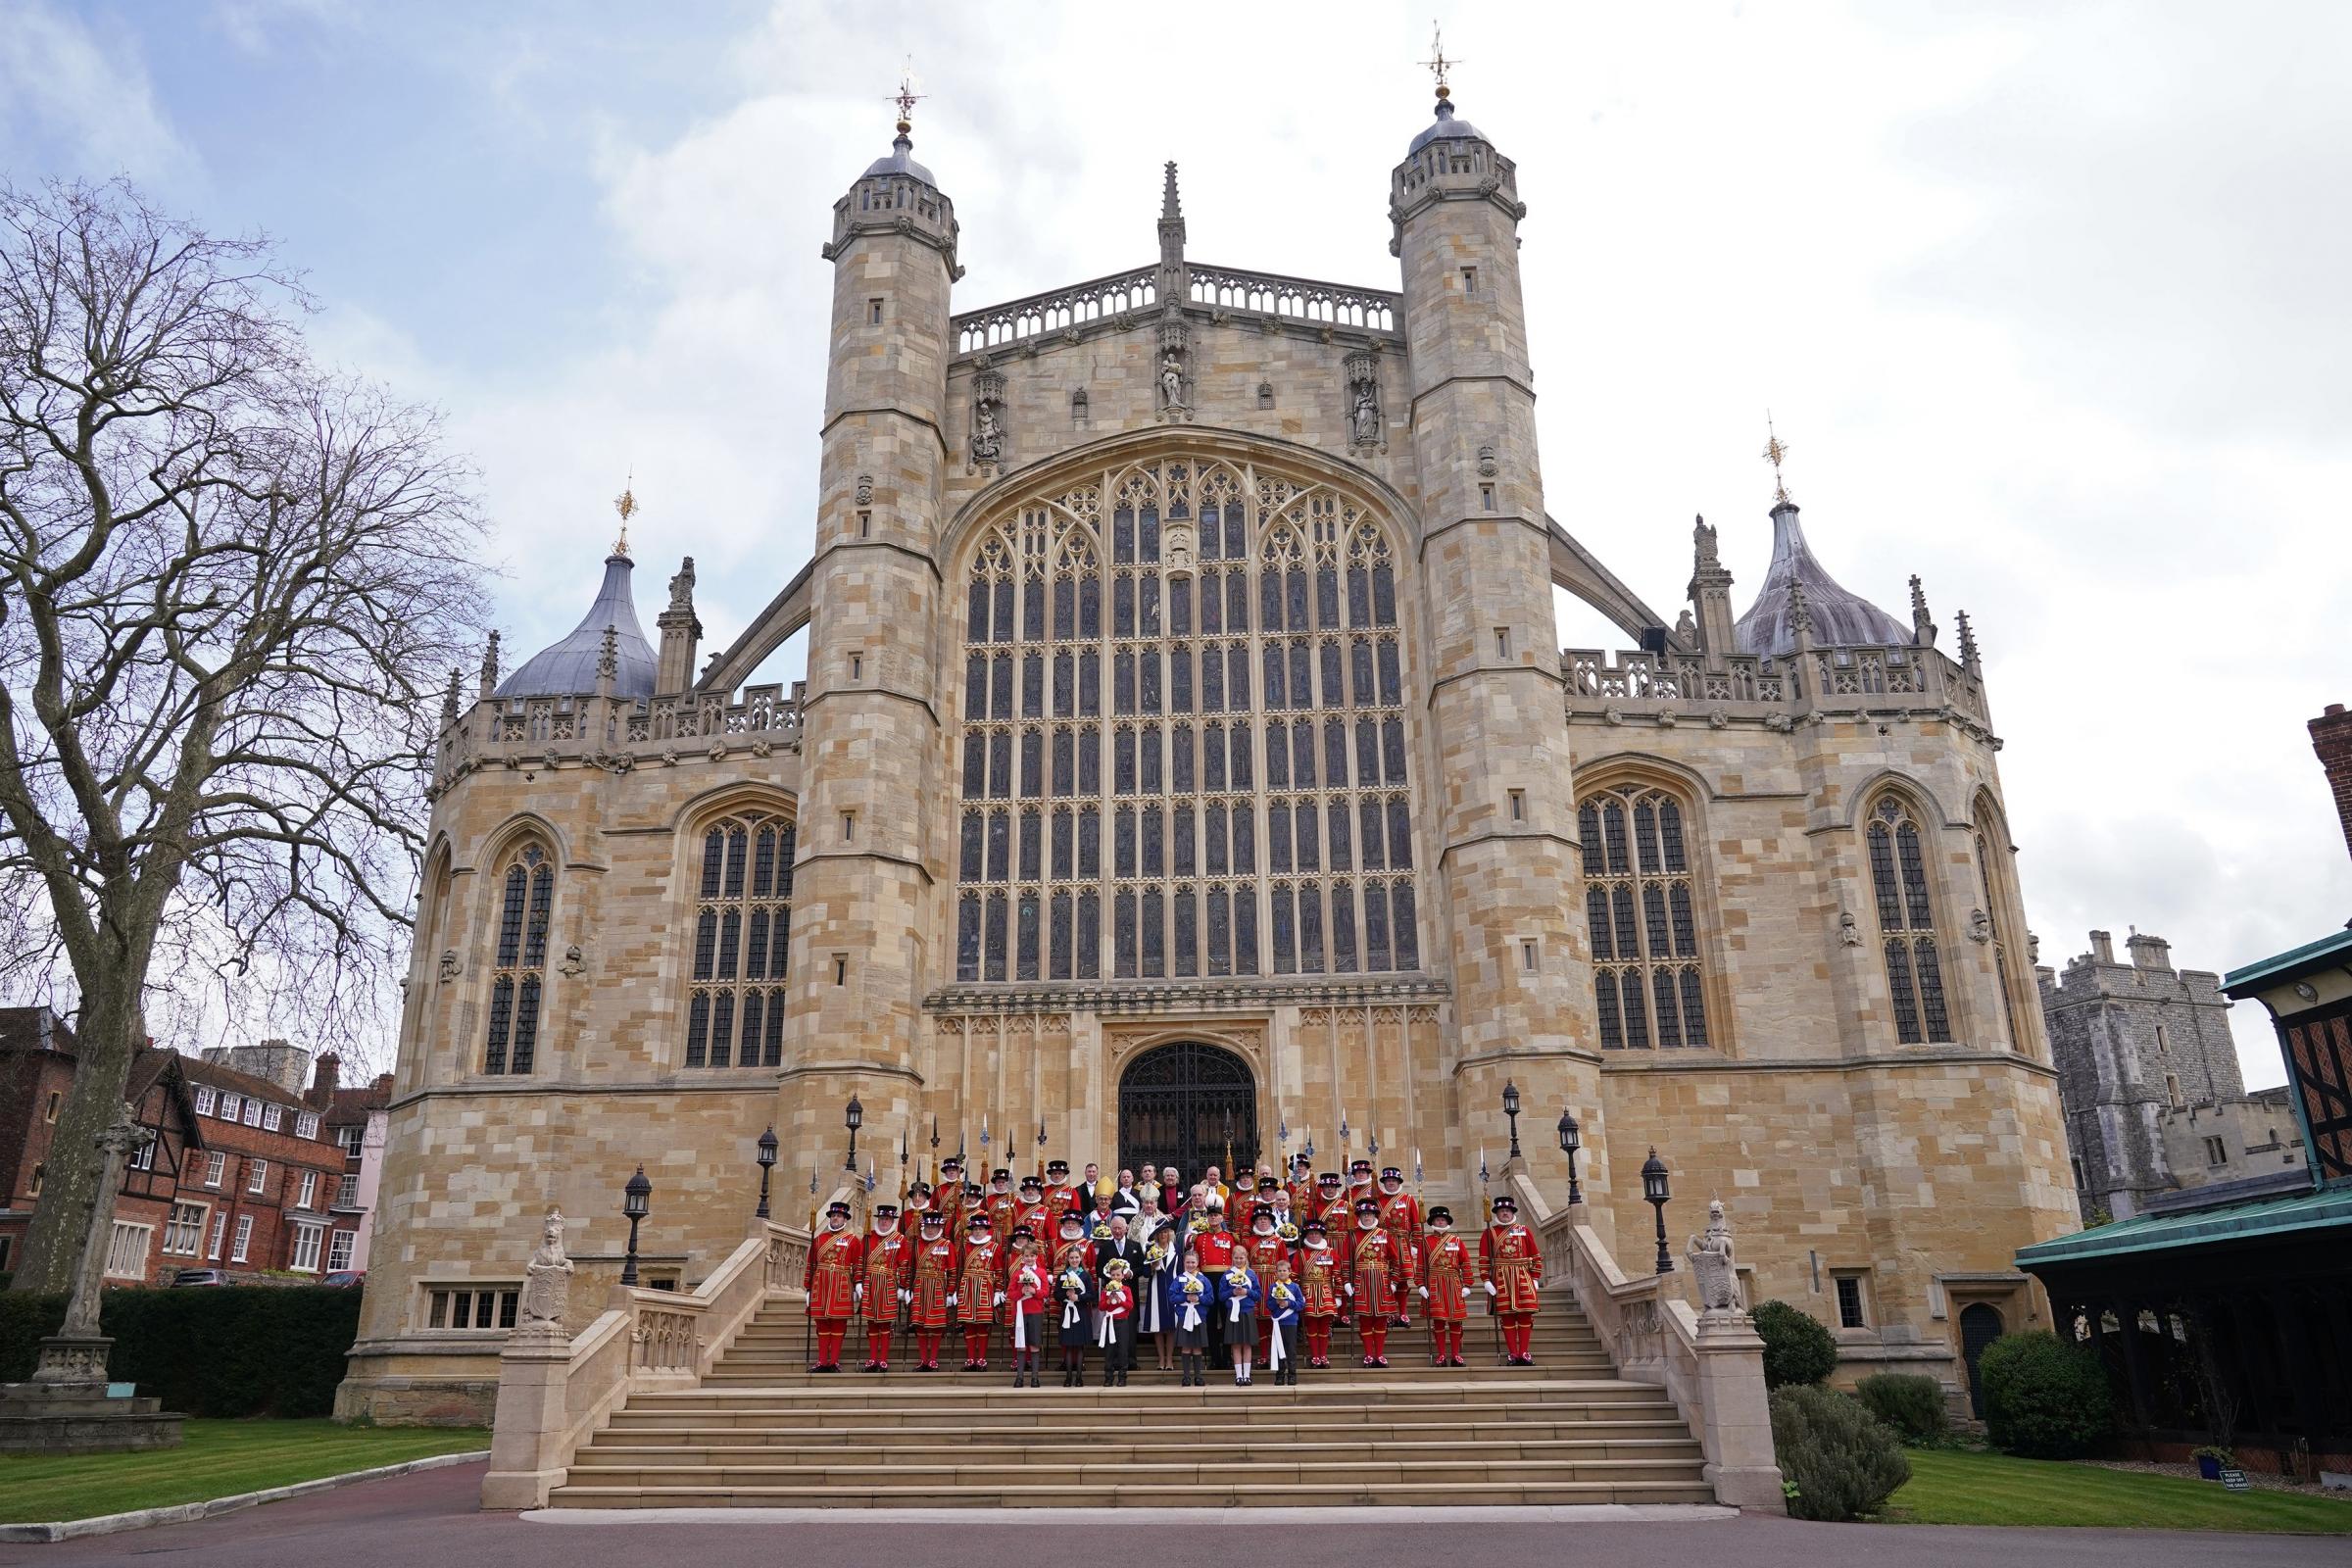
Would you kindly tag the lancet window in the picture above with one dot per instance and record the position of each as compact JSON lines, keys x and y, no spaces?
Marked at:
{"x":742,"y":920}
{"x":1643,"y":907}
{"x":1184,"y":736}
{"x":1898,"y":878}
{"x":519,"y":974}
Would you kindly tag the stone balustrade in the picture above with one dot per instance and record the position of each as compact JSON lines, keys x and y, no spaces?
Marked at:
{"x":618,"y":733}
{"x":1298,"y":299}
{"x":1057,"y":310}
{"x":1123,"y":299}
{"x":1670,"y":687}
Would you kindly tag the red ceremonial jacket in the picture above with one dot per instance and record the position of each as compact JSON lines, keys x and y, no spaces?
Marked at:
{"x":1507,"y":1255}
{"x":1263,"y":1250}
{"x":979,"y":1275}
{"x":934,"y":1283}
{"x":1215,"y":1248}
{"x":1320,"y":1271}
{"x":889,"y":1266}
{"x":1380,"y":1272}
{"x":831,"y":1277}
{"x":1449,"y":1272}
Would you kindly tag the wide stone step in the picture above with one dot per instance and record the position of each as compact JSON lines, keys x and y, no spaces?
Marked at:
{"x":1664,"y":1426}
{"x":1218,"y":1471}
{"x":1388,"y":1400}
{"x":1490,"y":1493}
{"x":1054,"y":1449}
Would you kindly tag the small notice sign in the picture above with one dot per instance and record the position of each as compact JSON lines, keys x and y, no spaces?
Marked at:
{"x":2234,"y":1480}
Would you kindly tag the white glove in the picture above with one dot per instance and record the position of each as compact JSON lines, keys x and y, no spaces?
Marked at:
{"x":1489,"y":1286}
{"x":857,"y":1294}
{"x":1349,"y":1289}
{"x":1000,"y":1301}
{"x":951,"y":1300}
{"x":1424,"y":1292}
{"x":906,"y":1296}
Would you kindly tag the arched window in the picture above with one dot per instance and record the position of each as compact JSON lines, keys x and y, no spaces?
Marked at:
{"x":741,"y":919}
{"x":1996,"y":880}
{"x":518,"y":976}
{"x":1184,"y":736}
{"x":1898,"y":879}
{"x":1644,"y":912}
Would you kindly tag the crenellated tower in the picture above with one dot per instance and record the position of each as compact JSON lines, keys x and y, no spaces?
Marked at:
{"x":871,"y":743}
{"x":1505,"y":823}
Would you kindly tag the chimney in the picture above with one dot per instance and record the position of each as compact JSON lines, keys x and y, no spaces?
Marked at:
{"x":2149,"y":953}
{"x":2332,"y":738}
{"x":2102,"y":947}
{"x":326,"y":1078}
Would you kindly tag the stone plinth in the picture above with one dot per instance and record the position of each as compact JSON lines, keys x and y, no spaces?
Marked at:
{"x":59,"y":1415}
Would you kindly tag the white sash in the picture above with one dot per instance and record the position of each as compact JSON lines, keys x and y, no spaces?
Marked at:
{"x":1069,"y":1313}
{"x":1105,"y":1330}
{"x":1274,"y":1346}
{"x":1020,"y":1328}
{"x":1234,"y":1315}
{"x":1192,"y":1314}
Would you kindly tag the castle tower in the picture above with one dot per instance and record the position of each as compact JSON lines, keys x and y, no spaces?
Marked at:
{"x":1520,"y":967}
{"x":871,"y":750}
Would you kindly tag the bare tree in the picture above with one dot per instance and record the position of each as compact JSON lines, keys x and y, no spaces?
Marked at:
{"x":228,"y":582}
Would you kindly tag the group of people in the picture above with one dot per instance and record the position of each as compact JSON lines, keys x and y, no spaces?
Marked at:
{"x":1256,"y":1274}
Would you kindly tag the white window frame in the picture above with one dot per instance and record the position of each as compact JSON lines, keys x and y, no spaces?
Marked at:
{"x":347,"y":1191}
{"x":274,"y":1117}
{"x":305,"y":1124}
{"x":441,"y":1300}
{"x":244,"y":1241}
{"x":212,"y":1248}
{"x":183,"y":1229}
{"x":339,"y":1247}
{"x":216,"y":1167}
{"x":309,"y":1243}
{"x":310,"y":1191}
{"x":128,"y":1238}
{"x":231,"y":1105}
{"x":257,"y":1174}
{"x":143,"y":1158}
{"x":206,"y":1099}
{"x":351,"y":1138}
{"x":252,"y":1112}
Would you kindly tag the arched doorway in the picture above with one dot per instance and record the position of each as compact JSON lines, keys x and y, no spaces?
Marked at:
{"x":1189,"y":1106}
{"x":1980,"y":1325}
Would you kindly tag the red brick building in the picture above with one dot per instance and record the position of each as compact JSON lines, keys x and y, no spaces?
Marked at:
{"x":241,"y":1175}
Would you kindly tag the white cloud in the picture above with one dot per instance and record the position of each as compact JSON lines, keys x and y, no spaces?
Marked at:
{"x":60,"y":84}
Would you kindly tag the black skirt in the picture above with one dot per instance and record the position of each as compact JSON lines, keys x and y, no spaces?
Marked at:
{"x":1241,"y":1330}
{"x":1191,"y":1339}
{"x":1079,"y":1334}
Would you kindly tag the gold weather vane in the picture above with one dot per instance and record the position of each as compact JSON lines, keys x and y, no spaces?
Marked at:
{"x":1436,"y":64}
{"x":906,"y":97}
{"x":1774,"y":449}
{"x":625,"y":504}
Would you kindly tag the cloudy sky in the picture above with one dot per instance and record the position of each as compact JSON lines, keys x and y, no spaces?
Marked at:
{"x":2048,"y":300}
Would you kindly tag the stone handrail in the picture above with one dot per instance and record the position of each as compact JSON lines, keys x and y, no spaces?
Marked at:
{"x":1298,"y":299}
{"x":1711,"y":1364}
{"x":617,"y":732}
{"x":1058,"y":310}
{"x":555,"y":1393}
{"x":1672,"y":685}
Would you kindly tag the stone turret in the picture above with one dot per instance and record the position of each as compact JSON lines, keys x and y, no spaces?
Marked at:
{"x":1523,"y":1000}
{"x":872,"y":752}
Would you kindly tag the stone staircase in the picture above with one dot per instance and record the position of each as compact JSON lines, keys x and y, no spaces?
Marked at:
{"x":761,"y":1431}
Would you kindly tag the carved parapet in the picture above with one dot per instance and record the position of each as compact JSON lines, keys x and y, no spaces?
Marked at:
{"x":896,"y":203}
{"x":1904,"y":681}
{"x":1060,"y":309}
{"x":619,"y":734}
{"x":1266,"y":301}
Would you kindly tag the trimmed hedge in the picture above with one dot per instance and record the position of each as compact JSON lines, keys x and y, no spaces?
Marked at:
{"x":1909,"y":1403}
{"x":241,"y":1351}
{"x":1841,"y":1462}
{"x":1797,"y":1350}
{"x":2044,"y":1397}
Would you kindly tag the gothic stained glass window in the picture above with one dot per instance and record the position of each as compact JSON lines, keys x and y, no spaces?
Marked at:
{"x":1640,"y":908}
{"x":518,"y":976}
{"x":742,"y":929}
{"x":1071,"y":605}
{"x":1898,"y":880}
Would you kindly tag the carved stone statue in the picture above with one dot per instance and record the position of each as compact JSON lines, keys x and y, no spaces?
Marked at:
{"x":1850,"y":932}
{"x":987,"y":441}
{"x":451,"y":969}
{"x":573,"y":962}
{"x":1176,"y":548}
{"x":1711,"y":1266}
{"x":1980,"y":926}
{"x":1172,"y":381}
{"x":681,"y":586}
{"x":1366,"y":418}
{"x":546,"y":1284}
{"x":1685,"y":628}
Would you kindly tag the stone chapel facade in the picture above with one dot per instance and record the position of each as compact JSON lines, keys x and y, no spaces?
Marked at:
{"x":1185,"y":763}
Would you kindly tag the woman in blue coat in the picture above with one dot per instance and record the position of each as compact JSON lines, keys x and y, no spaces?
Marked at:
{"x":1237,"y":1315}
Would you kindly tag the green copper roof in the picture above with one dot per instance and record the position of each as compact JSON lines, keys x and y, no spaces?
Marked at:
{"x":2243,"y":1222}
{"x":2310,"y":956}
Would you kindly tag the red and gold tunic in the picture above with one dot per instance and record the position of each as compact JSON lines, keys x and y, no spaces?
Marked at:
{"x":1001,"y":1207}
{"x":1507,"y":1255}
{"x":934,"y":1282}
{"x":1078,"y":1254}
{"x":1263,"y":1252}
{"x":1216,"y":1250}
{"x":889,"y":1266}
{"x":1401,"y":1217}
{"x":1042,"y":1220}
{"x":979,"y":1276}
{"x":831,"y":1277}
{"x":1320,"y":1273}
{"x":1449,"y":1272}
{"x":1066,"y":1199}
{"x":1302,"y":1197}
{"x":1338,"y":1215}
{"x":1379,"y":1271}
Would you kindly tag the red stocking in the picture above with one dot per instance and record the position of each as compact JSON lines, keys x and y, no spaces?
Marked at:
{"x":975,"y":1344}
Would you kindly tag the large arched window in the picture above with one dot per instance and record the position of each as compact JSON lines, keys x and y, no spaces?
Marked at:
{"x":742,"y":917}
{"x":1644,"y":912}
{"x":1898,"y":879}
{"x":518,"y":978}
{"x":1184,"y":736}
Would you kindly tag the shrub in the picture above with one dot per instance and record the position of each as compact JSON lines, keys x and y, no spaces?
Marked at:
{"x":213,"y":1352}
{"x":1910,"y":1404}
{"x":1841,"y":1462}
{"x":2044,"y":1397}
{"x":1797,"y":1350}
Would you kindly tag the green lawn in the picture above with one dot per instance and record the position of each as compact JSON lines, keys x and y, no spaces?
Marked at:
{"x":219,"y":1459}
{"x":1950,"y":1488}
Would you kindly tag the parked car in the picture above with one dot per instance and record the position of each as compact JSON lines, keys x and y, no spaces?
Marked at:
{"x":345,"y":1279}
{"x":202,"y":1275}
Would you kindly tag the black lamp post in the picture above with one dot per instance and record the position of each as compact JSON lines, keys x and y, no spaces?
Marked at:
{"x":1569,"y":1143}
{"x":1654,"y":1194}
{"x":768,"y":1163}
{"x":856,"y":1119}
{"x":634,"y":1199}
{"x":1511,"y":1108}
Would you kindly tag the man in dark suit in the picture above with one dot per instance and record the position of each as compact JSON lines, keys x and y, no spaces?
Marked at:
{"x":1119,"y":1355}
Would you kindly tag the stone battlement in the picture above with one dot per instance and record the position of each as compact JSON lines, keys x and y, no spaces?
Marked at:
{"x":1669,"y":686}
